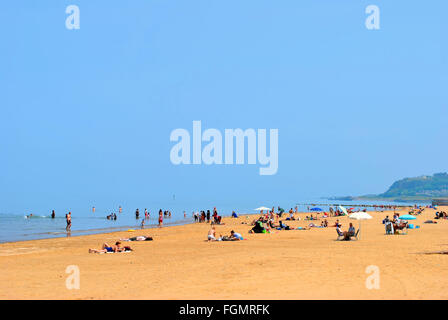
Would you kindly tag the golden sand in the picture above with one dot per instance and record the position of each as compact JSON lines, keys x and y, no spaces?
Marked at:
{"x":180,"y":264}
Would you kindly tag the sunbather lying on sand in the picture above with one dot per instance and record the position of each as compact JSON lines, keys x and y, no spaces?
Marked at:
{"x":312,"y":225}
{"x":138,"y":238}
{"x":436,"y":252}
{"x":106,"y":248}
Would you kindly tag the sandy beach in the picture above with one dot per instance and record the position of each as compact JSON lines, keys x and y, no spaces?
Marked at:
{"x":180,"y":264}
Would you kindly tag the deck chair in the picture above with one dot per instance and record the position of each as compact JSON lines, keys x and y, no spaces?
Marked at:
{"x":355,"y":235}
{"x":389,"y":228}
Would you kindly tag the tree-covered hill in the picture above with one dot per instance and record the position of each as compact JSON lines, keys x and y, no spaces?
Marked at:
{"x":424,"y":186}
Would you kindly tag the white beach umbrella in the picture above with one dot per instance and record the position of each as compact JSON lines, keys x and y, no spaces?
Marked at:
{"x":343,"y":210}
{"x":360,"y":216}
{"x":262,"y":208}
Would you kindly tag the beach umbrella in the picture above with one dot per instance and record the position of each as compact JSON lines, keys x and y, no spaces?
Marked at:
{"x":262,"y":208}
{"x":360,"y":216}
{"x":407,"y":217}
{"x":343,"y":210}
{"x":316,"y":209}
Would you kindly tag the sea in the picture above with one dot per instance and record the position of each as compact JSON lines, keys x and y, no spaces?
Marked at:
{"x":19,"y":226}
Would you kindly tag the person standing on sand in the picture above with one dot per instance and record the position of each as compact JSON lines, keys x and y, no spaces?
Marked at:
{"x":208,"y":216}
{"x":68,"y":218}
{"x":160,"y":218}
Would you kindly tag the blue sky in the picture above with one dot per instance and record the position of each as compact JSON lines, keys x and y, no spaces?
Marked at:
{"x":86,"y":114}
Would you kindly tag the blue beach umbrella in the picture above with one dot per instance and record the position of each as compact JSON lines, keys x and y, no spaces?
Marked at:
{"x":316,"y":209}
{"x":407,"y":217}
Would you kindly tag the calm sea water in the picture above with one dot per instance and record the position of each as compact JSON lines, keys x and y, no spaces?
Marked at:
{"x":16,"y":227}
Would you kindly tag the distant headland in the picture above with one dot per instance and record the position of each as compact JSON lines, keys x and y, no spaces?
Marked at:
{"x":423,"y":188}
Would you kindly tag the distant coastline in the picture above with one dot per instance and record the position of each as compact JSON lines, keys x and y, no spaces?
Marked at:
{"x":416,"y":189}
{"x":379,"y":198}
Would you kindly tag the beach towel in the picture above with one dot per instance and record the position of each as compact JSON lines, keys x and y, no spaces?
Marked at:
{"x":124,"y":251}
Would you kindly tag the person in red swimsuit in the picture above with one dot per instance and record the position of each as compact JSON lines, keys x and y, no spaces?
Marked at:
{"x":160,"y":218}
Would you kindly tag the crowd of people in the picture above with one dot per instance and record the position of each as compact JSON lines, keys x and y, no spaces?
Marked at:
{"x":206,"y":216}
{"x":441,"y":215}
{"x":267,"y":221}
{"x":394,"y":225}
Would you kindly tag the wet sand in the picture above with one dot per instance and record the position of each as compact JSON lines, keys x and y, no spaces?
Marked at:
{"x":180,"y":264}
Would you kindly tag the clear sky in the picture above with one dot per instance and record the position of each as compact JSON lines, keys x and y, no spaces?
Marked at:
{"x":86,"y":114}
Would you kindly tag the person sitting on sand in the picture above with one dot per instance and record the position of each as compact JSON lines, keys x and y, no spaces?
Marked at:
{"x":440,"y":215}
{"x":236,"y":235}
{"x":258,"y":228}
{"x":351,"y":229}
{"x":284,"y":226}
{"x":344,"y":234}
{"x":233,"y":237}
{"x":400,"y":226}
{"x":212,"y":235}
